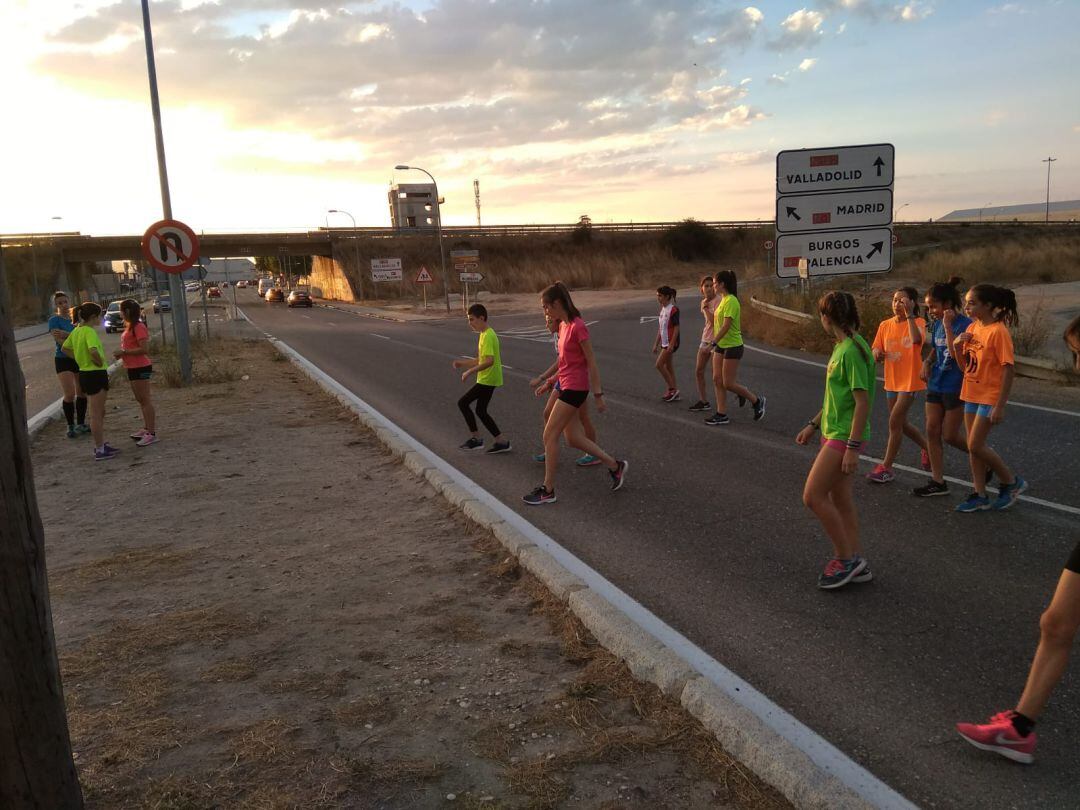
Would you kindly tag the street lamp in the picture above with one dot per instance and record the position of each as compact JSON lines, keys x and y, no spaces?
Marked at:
{"x":983,"y":209}
{"x":356,"y":237}
{"x":438,"y":222}
{"x":898,"y":210}
{"x":1049,"y":162}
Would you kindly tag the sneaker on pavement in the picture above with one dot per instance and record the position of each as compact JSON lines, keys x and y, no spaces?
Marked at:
{"x":587,"y":461}
{"x":700,"y":405}
{"x":672,"y":396}
{"x":718,"y":419}
{"x":618,"y":476}
{"x":931,"y":489}
{"x":999,"y":736}
{"x":539,"y":496}
{"x":880,"y":475}
{"x":83,"y":428}
{"x":498,"y":447}
{"x":105,"y":452}
{"x":924,"y":460}
{"x":71,"y":432}
{"x":864,"y":575}
{"x":138,"y":434}
{"x":974,"y":503}
{"x":147,"y":440}
{"x":1008,"y":494}
{"x":540,"y":458}
{"x":759,"y":408}
{"x":472,"y":444}
{"x":839,"y":573}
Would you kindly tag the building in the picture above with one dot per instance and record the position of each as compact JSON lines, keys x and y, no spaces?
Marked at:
{"x":413,"y":205}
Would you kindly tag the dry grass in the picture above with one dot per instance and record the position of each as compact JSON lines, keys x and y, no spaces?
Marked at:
{"x":137,"y":564}
{"x":1033,"y":331}
{"x":319,"y":685}
{"x":1011,"y":257}
{"x":231,"y":670}
{"x":210,"y":363}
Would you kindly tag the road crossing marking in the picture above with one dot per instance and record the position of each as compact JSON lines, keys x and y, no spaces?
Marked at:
{"x":376,"y":334}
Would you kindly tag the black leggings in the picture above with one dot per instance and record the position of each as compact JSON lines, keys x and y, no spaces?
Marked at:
{"x":481,"y":395}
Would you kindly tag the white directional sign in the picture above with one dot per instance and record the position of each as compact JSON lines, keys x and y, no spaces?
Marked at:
{"x":801,"y":171}
{"x":465,"y":260}
{"x":386,"y":270}
{"x":843,"y":209}
{"x":859,"y":251}
{"x":470,"y":278}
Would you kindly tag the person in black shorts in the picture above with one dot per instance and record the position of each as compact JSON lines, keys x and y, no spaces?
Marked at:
{"x":67,"y":370}
{"x":1011,"y":733}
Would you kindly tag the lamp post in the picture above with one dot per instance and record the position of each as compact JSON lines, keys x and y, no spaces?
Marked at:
{"x":1049,"y":162}
{"x":898,"y":210}
{"x":356,"y":237}
{"x":438,"y":222}
{"x":983,"y":209}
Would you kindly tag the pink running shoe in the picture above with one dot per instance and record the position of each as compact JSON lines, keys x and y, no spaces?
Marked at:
{"x":999,"y":736}
{"x":138,"y":434}
{"x":880,"y":475}
{"x":924,"y":460}
{"x":147,"y":439}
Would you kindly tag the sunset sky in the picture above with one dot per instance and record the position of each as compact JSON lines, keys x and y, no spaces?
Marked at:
{"x":277,"y":110}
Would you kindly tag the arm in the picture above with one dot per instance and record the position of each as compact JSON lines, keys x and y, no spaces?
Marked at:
{"x":487,"y":361}
{"x":914,"y":330}
{"x":59,"y":335}
{"x":95,"y":355}
{"x":141,"y":349}
{"x":723,"y":330}
{"x":594,"y":376}
{"x":858,"y":425}
{"x":997,"y":413}
{"x":809,"y":429}
{"x":545,"y":376}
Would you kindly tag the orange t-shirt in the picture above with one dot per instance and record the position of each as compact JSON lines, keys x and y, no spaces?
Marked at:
{"x":984,"y":359}
{"x":903,"y":358}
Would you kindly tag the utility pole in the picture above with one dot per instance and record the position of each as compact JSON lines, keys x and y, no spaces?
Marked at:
{"x":1048,"y":162}
{"x":476,"y":194}
{"x":176,"y":283}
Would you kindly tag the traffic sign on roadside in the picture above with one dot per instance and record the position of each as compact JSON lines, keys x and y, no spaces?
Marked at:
{"x":801,"y":171}
{"x":424,"y":277}
{"x":170,"y":245}
{"x":839,"y":210}
{"x":465,"y":261}
{"x":769,"y":244}
{"x":386,"y":270}
{"x":856,"y":251}
{"x":470,"y":278}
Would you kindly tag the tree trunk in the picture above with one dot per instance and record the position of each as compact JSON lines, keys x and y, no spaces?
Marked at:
{"x":36,"y":767}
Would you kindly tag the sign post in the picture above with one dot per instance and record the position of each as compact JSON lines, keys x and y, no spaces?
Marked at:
{"x":834,"y":211}
{"x":467,"y":265}
{"x":423,"y":278}
{"x":386,"y":270}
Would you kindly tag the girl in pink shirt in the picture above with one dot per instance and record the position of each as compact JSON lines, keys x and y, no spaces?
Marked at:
{"x":577,"y":374}
{"x":133,"y":352}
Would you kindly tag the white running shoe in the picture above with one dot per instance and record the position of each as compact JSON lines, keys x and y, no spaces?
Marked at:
{"x":147,"y":439}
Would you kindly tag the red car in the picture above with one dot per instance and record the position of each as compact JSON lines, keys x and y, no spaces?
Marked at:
{"x":213,"y":292}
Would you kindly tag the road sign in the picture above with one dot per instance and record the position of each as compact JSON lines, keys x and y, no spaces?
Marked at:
{"x":841,"y":210}
{"x":470,"y":278}
{"x":769,"y":244}
{"x":465,"y":261}
{"x":170,"y":245}
{"x":386,"y":270}
{"x":834,"y":253}
{"x":801,"y":171}
{"x":424,"y":277}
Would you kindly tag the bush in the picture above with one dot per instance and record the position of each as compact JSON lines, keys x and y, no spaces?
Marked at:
{"x":1029,"y":338}
{"x":691,"y":241}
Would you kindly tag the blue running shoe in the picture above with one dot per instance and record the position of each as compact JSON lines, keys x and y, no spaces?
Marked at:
{"x":539,"y":496}
{"x":1008,"y":494}
{"x":540,"y":458}
{"x":839,"y":573}
{"x":974,"y":503}
{"x":588,"y":460}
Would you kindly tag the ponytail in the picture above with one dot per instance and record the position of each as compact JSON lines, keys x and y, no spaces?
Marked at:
{"x":730,"y":281}
{"x":947,"y":292}
{"x":1001,"y":300}
{"x":913,"y":294}
{"x":667,"y":292}
{"x":840,"y":308}
{"x":558,"y":292}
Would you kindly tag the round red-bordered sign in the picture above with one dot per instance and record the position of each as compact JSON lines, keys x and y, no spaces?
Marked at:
{"x":896,"y":239}
{"x":170,"y":245}
{"x":769,"y":244}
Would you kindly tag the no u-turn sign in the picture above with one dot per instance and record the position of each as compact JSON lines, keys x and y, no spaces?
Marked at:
{"x":170,"y":245}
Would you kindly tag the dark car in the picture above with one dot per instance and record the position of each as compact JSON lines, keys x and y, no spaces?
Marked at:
{"x":300,"y":298}
{"x":162,"y":304}
{"x":114,"y":319}
{"x":275,"y":294}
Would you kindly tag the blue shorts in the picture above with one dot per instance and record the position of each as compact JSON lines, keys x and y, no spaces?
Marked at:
{"x":977,"y":409}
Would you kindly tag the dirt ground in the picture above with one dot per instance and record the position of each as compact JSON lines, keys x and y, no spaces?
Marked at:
{"x":266,"y":610}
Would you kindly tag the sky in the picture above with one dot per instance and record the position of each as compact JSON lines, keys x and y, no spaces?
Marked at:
{"x":275,"y":111}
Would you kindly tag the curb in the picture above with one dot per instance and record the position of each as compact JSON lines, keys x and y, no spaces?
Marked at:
{"x":805,"y":768}
{"x":36,"y":423}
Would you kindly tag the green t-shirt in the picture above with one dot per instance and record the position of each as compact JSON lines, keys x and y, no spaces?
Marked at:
{"x":81,"y":340}
{"x":851,"y":367}
{"x":729,"y":308}
{"x":489,"y":347}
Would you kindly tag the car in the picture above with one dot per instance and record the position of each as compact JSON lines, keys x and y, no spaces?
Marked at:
{"x":275,"y":294}
{"x":241,"y":284}
{"x":264,"y":285}
{"x":213,"y":292}
{"x":114,"y":319}
{"x":192,"y":286}
{"x":162,"y":303}
{"x":300,"y":298}
{"x":224,"y":284}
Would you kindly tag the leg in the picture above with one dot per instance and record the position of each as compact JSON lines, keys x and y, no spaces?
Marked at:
{"x":68,"y":385}
{"x":982,"y":456}
{"x":731,"y":371}
{"x":1057,"y":632}
{"x":897,"y":417}
{"x":586,"y":422}
{"x":663,"y":365}
{"x":843,"y":500}
{"x":703,"y":356}
{"x":951,"y":429}
{"x":463,"y":405}
{"x":141,"y":390}
{"x":97,"y":417}
{"x":935,"y":414}
{"x":718,"y":382}
{"x":910,"y":430}
{"x":80,"y":403}
{"x":824,"y":476}
{"x":482,"y":402}
{"x":670,"y":365}
{"x":561,"y":415}
{"x":575,"y":437}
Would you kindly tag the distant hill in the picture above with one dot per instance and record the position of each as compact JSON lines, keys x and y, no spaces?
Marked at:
{"x":1064,"y":211}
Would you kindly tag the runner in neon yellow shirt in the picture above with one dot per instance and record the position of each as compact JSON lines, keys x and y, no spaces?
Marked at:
{"x":84,"y":345}
{"x":489,"y":375}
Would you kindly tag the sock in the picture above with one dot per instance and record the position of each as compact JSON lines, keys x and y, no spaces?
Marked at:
{"x":69,"y":413}
{"x":80,"y":409}
{"x":1023,"y":725}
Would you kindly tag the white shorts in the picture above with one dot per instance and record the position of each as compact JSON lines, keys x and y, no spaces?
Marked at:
{"x":705,"y":346}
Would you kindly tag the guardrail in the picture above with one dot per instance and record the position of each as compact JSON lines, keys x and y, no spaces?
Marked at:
{"x":1032,"y":367}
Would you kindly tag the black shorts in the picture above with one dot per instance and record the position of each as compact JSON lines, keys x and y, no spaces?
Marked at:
{"x":65,"y":364}
{"x":93,"y":382}
{"x":140,"y":373}
{"x":1074,"y":560}
{"x":574,"y":399}
{"x":949,"y":402}
{"x":730,"y":353}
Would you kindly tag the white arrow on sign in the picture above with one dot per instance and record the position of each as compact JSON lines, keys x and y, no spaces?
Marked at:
{"x":470,"y":278}
{"x":840,"y":210}
{"x":835,"y":253}
{"x":833,"y":169}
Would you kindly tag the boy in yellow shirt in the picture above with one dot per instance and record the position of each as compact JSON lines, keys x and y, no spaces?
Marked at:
{"x":488,"y":370}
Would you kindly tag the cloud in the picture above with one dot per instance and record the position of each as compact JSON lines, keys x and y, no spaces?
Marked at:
{"x":806,"y":64}
{"x":777,"y":79}
{"x":995,"y":117}
{"x":801,"y":29}
{"x":1008,"y":8}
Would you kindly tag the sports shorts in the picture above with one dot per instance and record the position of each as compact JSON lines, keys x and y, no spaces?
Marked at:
{"x":574,"y":399}
{"x":1074,"y":560}
{"x":895,"y":394}
{"x":93,"y":382}
{"x":730,"y":353}
{"x":140,"y":373}
{"x":63,"y":364}
{"x":948,"y":401}
{"x":840,"y":446}
{"x":977,"y":409}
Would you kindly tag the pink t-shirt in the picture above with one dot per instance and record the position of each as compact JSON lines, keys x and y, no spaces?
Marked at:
{"x":573,"y":368}
{"x":129,"y":341}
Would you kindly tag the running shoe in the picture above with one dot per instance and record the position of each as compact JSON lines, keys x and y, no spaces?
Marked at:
{"x":839,"y":573}
{"x":924,"y":460}
{"x":931,"y":489}
{"x":718,"y":419}
{"x":138,"y":434}
{"x":672,"y":396}
{"x":498,"y":447}
{"x":880,"y":475}
{"x":1008,"y":494}
{"x":539,"y":496}
{"x":147,"y":439}
{"x":864,"y":575}
{"x":588,"y":461}
{"x":105,"y":452}
{"x":700,"y":405}
{"x":472,"y":444}
{"x":974,"y":503}
{"x":999,"y":736}
{"x":759,"y":408}
{"x":540,"y":458}
{"x":618,"y":475}
{"x":667,"y":394}
{"x":71,"y":432}
{"x":742,"y":399}
{"x":83,"y":428}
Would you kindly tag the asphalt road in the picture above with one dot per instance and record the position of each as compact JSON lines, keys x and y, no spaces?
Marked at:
{"x":710,"y":534}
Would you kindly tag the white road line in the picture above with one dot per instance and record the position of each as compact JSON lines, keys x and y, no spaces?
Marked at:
{"x":331,"y":323}
{"x":375,"y":334}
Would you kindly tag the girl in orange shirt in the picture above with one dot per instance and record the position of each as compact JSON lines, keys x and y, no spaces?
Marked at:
{"x":899,"y":343}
